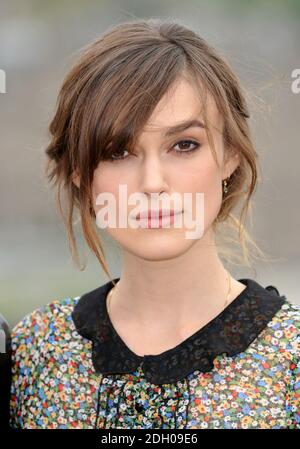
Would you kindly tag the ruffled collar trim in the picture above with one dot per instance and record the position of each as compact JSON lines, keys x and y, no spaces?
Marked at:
{"x":230,"y":332}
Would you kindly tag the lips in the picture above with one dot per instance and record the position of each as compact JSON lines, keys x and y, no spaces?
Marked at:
{"x":156,"y":214}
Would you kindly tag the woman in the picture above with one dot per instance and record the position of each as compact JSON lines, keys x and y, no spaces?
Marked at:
{"x":175,"y":341}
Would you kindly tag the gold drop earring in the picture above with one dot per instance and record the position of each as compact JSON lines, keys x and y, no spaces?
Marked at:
{"x":225,"y":189}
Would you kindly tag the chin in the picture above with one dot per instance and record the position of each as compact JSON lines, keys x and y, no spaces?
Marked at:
{"x":157,"y":247}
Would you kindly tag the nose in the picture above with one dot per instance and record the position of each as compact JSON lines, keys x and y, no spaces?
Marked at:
{"x":153,"y":177}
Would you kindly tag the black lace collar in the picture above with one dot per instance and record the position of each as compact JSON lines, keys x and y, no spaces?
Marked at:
{"x":231,"y":332}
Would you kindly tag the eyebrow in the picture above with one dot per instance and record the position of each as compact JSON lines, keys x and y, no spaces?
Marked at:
{"x":183,"y":126}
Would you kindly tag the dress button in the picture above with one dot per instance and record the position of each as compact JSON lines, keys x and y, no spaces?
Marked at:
{"x":139,"y":408}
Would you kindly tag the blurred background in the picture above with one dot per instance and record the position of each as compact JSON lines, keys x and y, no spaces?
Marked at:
{"x":38,"y":44}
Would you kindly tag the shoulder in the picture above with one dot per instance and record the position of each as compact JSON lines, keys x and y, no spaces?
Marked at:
{"x":43,"y":327}
{"x":287,"y":319}
{"x":274,"y":318}
{"x":282,"y":334}
{"x":278,"y":339}
{"x":40,"y":342}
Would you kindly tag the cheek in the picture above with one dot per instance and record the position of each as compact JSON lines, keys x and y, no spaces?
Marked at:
{"x":104,"y":181}
{"x":109,"y":181}
{"x":199,"y":175}
{"x":205,"y":178}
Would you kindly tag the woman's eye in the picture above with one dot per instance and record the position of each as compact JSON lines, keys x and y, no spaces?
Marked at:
{"x":119,"y":156}
{"x":185,"y":146}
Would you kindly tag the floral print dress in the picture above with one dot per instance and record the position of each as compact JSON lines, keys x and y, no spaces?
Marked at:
{"x":71,"y":369}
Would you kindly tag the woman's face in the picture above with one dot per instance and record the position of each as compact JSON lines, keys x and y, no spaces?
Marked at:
{"x":157,"y":167}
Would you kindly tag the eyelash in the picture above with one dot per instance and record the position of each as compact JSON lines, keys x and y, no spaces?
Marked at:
{"x":180,"y":153}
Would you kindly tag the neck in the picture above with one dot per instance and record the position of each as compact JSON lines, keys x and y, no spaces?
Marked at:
{"x":191,"y":288}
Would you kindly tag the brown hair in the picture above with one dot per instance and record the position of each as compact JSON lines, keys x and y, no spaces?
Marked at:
{"x":108,"y":96}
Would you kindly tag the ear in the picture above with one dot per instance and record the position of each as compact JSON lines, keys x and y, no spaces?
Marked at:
{"x":231,"y":164}
{"x":76,"y":179}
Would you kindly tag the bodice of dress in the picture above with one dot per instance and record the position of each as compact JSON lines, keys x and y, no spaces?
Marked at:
{"x":231,"y":331}
{"x":71,"y":369}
